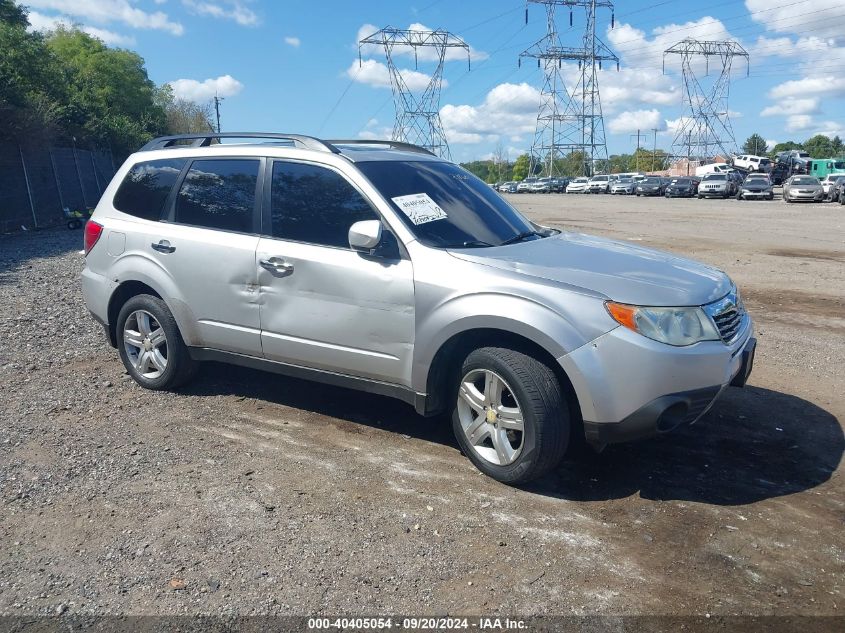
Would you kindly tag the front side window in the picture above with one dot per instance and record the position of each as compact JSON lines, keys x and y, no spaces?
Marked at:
{"x":145,"y":189}
{"x":219,"y":194}
{"x":445,"y":206}
{"x":312,"y":204}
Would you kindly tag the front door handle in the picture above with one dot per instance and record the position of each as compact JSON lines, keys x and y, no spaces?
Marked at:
{"x":163,"y":246}
{"x":277,"y":266}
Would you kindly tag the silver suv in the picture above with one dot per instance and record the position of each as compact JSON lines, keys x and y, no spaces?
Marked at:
{"x":378,"y":266}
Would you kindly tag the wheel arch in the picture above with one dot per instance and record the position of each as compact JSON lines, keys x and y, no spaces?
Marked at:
{"x":452,"y":353}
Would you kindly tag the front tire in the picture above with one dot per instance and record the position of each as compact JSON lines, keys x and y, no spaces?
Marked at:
{"x":510,"y":415}
{"x":150,"y":345}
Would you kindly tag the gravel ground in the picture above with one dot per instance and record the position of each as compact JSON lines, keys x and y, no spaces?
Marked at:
{"x":249,"y":493}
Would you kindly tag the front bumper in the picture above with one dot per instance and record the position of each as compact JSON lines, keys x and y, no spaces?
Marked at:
{"x":757,"y":194}
{"x":629,"y":386}
{"x":680,"y":193}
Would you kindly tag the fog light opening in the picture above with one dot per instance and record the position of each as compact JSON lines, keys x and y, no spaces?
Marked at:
{"x":672,"y":417}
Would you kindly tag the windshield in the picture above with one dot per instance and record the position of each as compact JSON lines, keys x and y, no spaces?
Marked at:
{"x":445,"y":206}
{"x":682,"y":181}
{"x":805,"y":180}
{"x":581,"y":180}
{"x":757,"y":178}
{"x":625,"y":181}
{"x":651,"y":181}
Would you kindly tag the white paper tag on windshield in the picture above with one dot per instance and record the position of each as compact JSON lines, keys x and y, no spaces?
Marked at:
{"x":419,"y":208}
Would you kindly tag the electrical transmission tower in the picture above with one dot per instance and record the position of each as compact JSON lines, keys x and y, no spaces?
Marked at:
{"x":569,"y":120}
{"x":705,"y":128}
{"x":417,"y":112}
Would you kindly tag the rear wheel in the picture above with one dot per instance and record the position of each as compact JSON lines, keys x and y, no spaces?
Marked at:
{"x":510,"y":416}
{"x":150,"y":345}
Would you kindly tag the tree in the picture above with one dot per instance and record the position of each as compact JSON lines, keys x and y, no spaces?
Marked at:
{"x":837,"y":146}
{"x":785,"y":147}
{"x":183,"y":116}
{"x":521,"y":167}
{"x":111,"y":99}
{"x":819,"y":146}
{"x":754,"y":144}
{"x":13,"y":14}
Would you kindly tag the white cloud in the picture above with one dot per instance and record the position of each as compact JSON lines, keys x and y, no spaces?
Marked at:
{"x":376,"y":74}
{"x":199,"y":91}
{"x":630,"y":87}
{"x":791,"y":106}
{"x":798,"y":122}
{"x":631,"y":121}
{"x":40,"y":22}
{"x":227,"y":10}
{"x":827,"y":85}
{"x":293,"y":41}
{"x":825,"y":18}
{"x":507,"y":110}
{"x":108,"y":11}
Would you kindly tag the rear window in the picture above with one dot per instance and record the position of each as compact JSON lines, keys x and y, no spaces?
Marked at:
{"x":145,"y":189}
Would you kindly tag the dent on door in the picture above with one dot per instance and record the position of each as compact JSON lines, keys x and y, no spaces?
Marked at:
{"x":337,"y":310}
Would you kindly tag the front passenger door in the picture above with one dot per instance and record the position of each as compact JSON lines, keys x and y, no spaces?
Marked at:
{"x":324,"y":305}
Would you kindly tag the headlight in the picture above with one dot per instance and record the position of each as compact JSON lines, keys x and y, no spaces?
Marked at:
{"x":673,"y":326}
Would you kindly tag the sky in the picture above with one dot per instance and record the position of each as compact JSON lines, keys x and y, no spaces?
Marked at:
{"x":293,"y":65}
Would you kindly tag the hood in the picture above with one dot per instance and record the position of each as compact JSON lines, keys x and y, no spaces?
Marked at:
{"x":620,"y":271}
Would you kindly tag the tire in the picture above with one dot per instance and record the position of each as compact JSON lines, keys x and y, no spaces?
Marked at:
{"x":531,"y":390}
{"x":178,"y":366}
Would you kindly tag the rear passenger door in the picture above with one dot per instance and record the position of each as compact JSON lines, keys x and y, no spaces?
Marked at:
{"x":207,"y":243}
{"x":326,"y":306}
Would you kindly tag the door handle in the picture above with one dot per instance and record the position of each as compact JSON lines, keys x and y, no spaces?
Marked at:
{"x":277,"y":266}
{"x":163,"y":246}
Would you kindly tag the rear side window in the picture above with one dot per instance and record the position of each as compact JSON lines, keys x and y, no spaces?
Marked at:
{"x":219,"y":194}
{"x":145,"y":189}
{"x":316,"y":205}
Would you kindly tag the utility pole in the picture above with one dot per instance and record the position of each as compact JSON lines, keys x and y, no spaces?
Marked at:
{"x":569,"y":119}
{"x":654,"y":151}
{"x":217,"y":101}
{"x":637,"y":153}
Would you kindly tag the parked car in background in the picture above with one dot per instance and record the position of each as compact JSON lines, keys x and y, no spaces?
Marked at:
{"x":750,"y":163}
{"x":507,"y":187}
{"x":599,"y":184}
{"x":827,"y":184}
{"x":712,"y":168}
{"x":685,"y":187}
{"x":651,"y":186}
{"x":779,"y":173}
{"x":624,"y":185}
{"x":579,"y":185}
{"x":756,"y":186}
{"x":542,"y":185}
{"x":837,"y":190}
{"x":559,"y":184}
{"x":803,"y":189}
{"x":717,"y":186}
{"x":525,"y":185}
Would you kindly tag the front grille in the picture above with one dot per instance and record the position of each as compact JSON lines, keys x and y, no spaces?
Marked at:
{"x":729,"y":316}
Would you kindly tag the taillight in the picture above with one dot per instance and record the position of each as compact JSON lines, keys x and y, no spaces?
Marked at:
{"x":93,"y":231}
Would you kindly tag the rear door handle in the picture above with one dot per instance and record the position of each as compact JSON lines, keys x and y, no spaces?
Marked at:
{"x":163,"y":246}
{"x":277,"y":266}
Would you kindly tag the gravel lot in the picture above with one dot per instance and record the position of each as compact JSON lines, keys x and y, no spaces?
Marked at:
{"x":250,"y":493}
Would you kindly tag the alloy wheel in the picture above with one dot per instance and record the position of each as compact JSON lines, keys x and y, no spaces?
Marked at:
{"x":145,"y":343}
{"x":491,"y":417}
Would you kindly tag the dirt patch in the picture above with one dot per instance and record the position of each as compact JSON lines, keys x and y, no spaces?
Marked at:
{"x":803,"y":253}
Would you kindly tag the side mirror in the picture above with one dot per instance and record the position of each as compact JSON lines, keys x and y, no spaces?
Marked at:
{"x":365,"y":235}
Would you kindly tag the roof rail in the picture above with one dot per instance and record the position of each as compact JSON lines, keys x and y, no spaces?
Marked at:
{"x":408,"y":147}
{"x":205,"y":140}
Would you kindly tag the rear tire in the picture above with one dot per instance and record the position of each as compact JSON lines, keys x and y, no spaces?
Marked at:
{"x":151,"y":346}
{"x":510,"y":415}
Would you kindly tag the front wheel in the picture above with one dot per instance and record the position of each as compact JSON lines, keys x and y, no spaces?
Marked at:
{"x":150,"y":345}
{"x":510,"y":416}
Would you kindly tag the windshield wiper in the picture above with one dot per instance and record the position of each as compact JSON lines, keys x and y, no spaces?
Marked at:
{"x":521,"y":236}
{"x":470,"y":244}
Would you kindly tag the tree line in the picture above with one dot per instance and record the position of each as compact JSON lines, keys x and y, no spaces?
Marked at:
{"x":817,"y":146}
{"x":67,"y":86}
